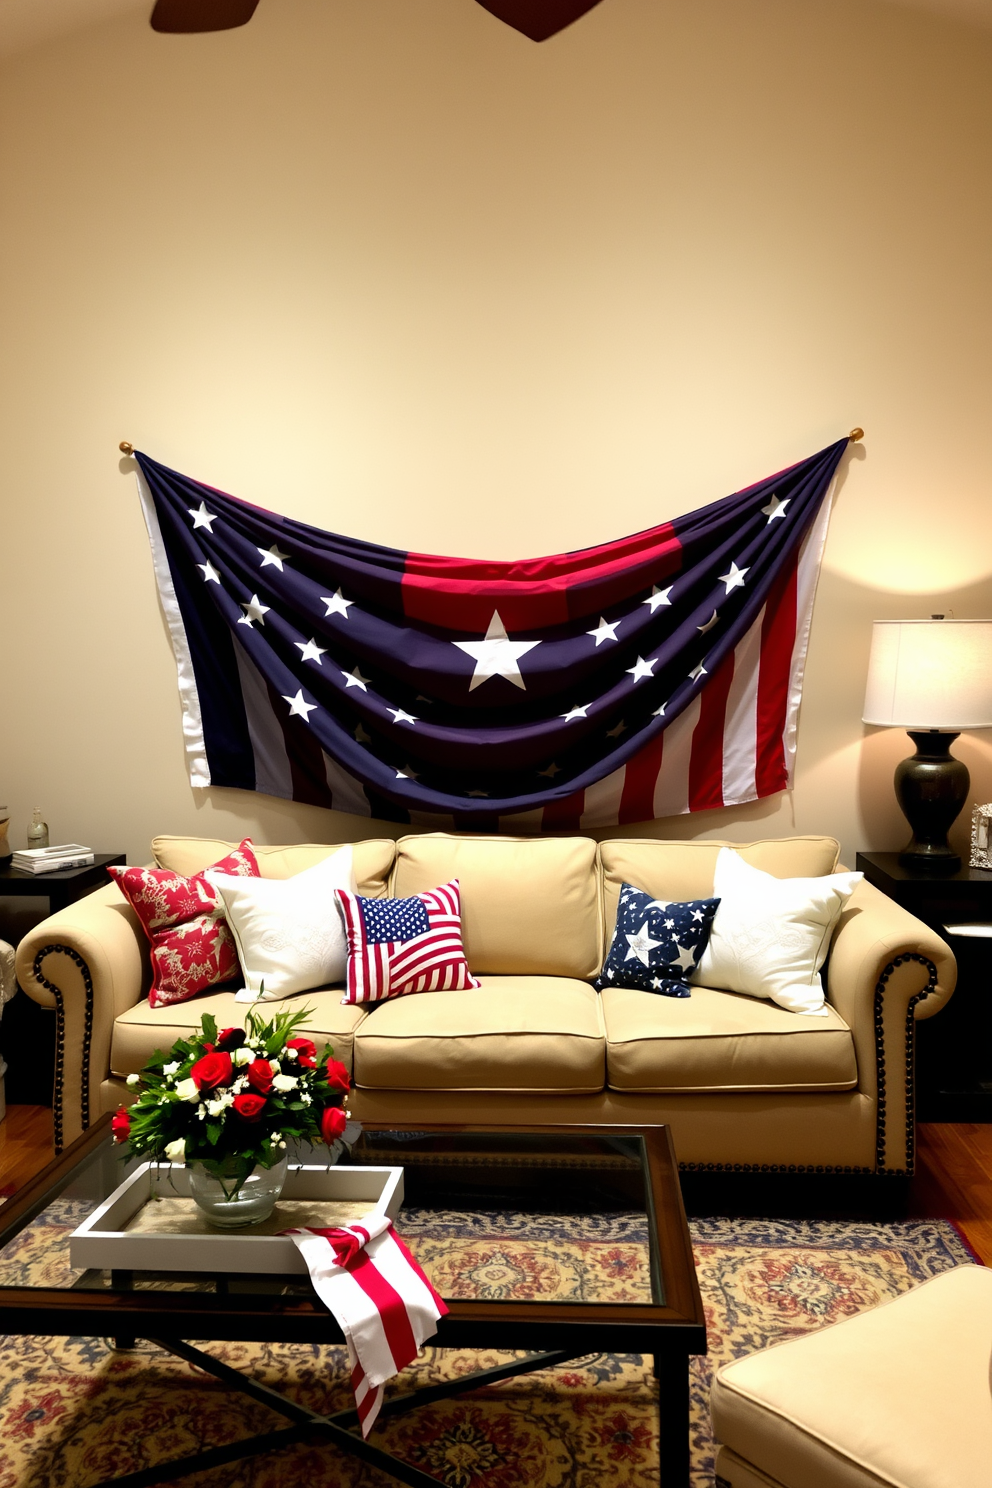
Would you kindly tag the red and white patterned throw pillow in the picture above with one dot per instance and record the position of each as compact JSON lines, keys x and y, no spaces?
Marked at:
{"x":192,"y":947}
{"x":404,"y":945}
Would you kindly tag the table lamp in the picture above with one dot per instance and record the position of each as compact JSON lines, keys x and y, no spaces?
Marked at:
{"x":933,"y":678}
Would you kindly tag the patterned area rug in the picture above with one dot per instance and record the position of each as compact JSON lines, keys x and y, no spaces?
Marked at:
{"x":73,"y":1412}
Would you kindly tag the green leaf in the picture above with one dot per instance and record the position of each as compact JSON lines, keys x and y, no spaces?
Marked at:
{"x":214,"y":1130}
{"x":209,"y":1025}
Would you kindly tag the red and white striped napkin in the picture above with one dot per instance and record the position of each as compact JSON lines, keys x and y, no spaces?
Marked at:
{"x":381,"y":1298}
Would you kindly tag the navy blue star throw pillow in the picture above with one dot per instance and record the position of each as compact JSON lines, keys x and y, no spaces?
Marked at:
{"x":657,"y":943}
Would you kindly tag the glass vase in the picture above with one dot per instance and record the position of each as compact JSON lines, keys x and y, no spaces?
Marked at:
{"x":228,"y":1199}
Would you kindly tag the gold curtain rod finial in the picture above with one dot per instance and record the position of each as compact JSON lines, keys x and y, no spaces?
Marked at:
{"x":854,"y":436}
{"x":125,"y":448}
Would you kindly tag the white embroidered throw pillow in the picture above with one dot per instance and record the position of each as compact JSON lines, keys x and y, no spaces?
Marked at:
{"x":770,"y":935}
{"x":288,"y":931}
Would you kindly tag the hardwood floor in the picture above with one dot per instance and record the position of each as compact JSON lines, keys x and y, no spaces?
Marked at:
{"x":953,"y":1169}
{"x":25,"y":1145}
{"x":954,"y":1180}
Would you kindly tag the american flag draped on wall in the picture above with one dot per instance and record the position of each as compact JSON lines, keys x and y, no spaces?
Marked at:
{"x":653,"y":675}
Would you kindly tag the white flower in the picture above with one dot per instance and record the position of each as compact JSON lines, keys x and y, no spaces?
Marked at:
{"x":176,"y":1151}
{"x":283,"y":1145}
{"x":285,"y":1082}
{"x":306,"y":1099}
{"x":171,"y":1069}
{"x":219,"y":1104}
{"x":290,"y":1053}
{"x":244,"y":1055}
{"x":240,"y":1084}
{"x":274,"y":1066}
{"x":202,"y":1113}
{"x":133,"y":1080}
{"x":186,"y":1090}
{"x":276,"y":1137}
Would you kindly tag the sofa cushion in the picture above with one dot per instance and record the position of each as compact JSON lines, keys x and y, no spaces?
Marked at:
{"x":721,"y":1041}
{"x":373,"y":858}
{"x":515,"y":1033}
{"x":685,"y":870}
{"x":141,"y":1030}
{"x":530,"y":906}
{"x":842,"y":1407}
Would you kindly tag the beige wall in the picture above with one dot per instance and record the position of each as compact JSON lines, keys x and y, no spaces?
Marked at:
{"x":386,"y":266}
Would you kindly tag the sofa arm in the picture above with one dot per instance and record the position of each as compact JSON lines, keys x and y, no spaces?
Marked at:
{"x":886,"y":969}
{"x":90,"y":963}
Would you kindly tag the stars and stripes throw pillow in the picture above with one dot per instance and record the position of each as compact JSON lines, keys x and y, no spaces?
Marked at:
{"x":397,"y":946}
{"x":657,"y":942}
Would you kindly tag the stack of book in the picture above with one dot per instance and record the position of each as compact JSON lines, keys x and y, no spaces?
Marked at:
{"x":51,"y":859}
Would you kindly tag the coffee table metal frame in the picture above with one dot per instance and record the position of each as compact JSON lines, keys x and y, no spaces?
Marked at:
{"x":553,"y":1332}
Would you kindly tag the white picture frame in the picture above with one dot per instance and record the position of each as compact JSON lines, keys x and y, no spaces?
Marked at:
{"x":981,"y":837}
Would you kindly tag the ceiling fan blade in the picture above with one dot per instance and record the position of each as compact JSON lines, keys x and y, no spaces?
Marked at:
{"x":201,"y":15}
{"x":537,"y":19}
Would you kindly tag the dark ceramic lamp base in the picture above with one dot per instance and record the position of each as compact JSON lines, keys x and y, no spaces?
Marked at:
{"x":931,"y":787}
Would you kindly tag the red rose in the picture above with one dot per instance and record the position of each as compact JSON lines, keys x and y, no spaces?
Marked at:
{"x":306,"y":1052}
{"x":121,"y":1125}
{"x":248,"y":1106}
{"x":231,"y":1038}
{"x":337,"y":1076}
{"x":212,"y":1070}
{"x":332,"y":1123}
{"x":260,"y":1074}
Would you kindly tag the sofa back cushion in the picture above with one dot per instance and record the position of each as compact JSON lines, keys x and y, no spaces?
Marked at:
{"x":531,"y":906}
{"x":373,"y":859}
{"x":684,"y":870}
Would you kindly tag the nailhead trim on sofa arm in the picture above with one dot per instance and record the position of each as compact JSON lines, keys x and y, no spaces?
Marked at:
{"x":909,"y":1064}
{"x":58,"y":1092}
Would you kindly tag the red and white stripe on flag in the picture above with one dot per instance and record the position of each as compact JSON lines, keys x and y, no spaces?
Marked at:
{"x":433,"y":961}
{"x":735,"y":742}
{"x":384,"y":1304}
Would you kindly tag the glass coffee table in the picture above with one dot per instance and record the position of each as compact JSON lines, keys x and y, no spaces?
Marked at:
{"x":554,"y":1243}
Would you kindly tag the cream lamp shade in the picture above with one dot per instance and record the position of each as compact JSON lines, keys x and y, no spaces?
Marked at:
{"x":930,"y":674}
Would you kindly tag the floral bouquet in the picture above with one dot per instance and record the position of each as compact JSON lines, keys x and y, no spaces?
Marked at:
{"x":230,"y":1100}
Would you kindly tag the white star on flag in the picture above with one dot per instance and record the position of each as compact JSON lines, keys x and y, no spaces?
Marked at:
{"x":614,"y":733}
{"x":253,"y":610}
{"x":641,"y":945}
{"x":210,"y":574}
{"x":551,"y":771}
{"x":659,"y":712}
{"x":400,"y":717}
{"x":775,"y":508}
{"x":309,"y":650}
{"x":201,"y":517}
{"x":658,"y":597}
{"x":496,"y":655}
{"x":407,"y":773}
{"x":576,"y":713}
{"x":685,"y":957}
{"x":298,"y":706}
{"x":709,"y":624}
{"x":697,"y":672}
{"x":272,"y":557}
{"x":362,"y":736}
{"x":642,"y":668}
{"x":735,"y":578}
{"x":605,"y":630}
{"x":336,"y":604}
{"x":355,"y":679}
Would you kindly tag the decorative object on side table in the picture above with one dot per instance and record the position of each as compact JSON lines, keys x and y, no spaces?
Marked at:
{"x":981,"y":829}
{"x":226,"y":1103}
{"x":933,"y":678}
{"x":37,"y":833}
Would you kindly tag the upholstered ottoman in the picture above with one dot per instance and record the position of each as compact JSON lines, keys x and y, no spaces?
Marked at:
{"x":898,"y":1397}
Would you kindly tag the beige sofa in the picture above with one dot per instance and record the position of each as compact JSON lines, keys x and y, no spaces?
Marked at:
{"x":744,"y":1084}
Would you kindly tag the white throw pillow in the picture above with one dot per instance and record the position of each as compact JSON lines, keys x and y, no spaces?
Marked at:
{"x":288,"y":931}
{"x":771,"y":935}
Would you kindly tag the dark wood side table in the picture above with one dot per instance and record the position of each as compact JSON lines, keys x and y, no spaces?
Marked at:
{"x":61,"y":888}
{"x":954,"y":1048}
{"x":26,"y":1025}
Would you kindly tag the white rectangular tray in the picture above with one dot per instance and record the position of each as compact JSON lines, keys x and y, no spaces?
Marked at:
{"x":150,"y":1223}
